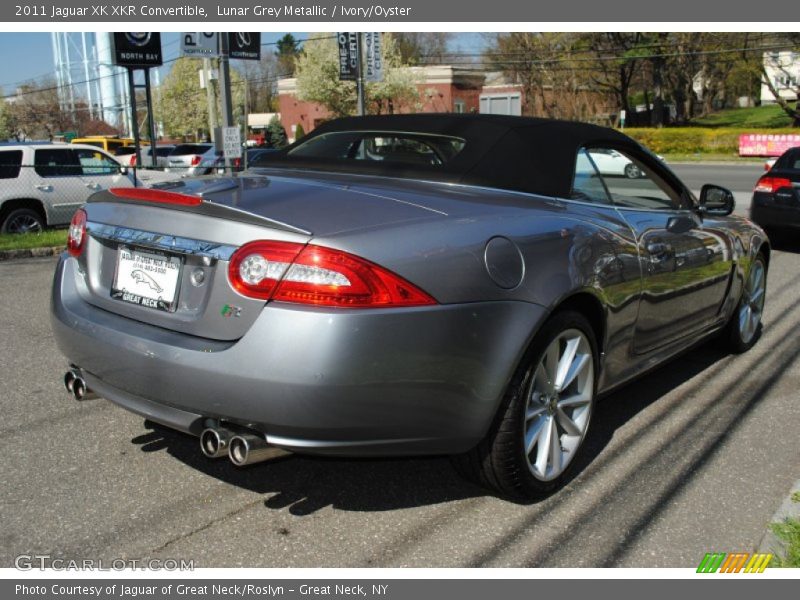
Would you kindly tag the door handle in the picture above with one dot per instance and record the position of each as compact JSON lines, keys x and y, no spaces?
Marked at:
{"x":45,"y":188}
{"x":93,"y":186}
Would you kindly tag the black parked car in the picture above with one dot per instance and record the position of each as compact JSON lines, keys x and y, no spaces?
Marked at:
{"x":776,"y":202}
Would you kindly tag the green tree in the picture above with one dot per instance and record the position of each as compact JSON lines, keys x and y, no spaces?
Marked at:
{"x":318,"y":79}
{"x":286,"y":54}
{"x":276,"y":135}
{"x":183,"y":103}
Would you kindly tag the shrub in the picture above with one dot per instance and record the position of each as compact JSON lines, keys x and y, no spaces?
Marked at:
{"x":695,"y":140}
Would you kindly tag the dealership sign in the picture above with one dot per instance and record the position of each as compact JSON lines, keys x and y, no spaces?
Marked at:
{"x":767,"y":144}
{"x":244,"y":46}
{"x":140,"y":50}
{"x":198,"y":44}
{"x":373,"y":69}
{"x":348,"y":56}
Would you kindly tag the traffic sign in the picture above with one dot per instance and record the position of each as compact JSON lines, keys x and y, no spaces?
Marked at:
{"x":231,"y":142}
{"x":204,"y":45}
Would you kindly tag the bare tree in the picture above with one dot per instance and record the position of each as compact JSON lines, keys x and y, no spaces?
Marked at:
{"x":427,"y":47}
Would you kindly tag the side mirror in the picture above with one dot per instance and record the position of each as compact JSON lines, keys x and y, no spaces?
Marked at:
{"x":123,"y":170}
{"x":716,"y":200}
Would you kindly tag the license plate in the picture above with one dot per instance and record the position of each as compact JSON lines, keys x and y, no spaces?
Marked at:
{"x":146,"y":278}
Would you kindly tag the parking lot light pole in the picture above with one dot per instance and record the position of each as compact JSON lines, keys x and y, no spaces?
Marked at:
{"x":360,"y":77}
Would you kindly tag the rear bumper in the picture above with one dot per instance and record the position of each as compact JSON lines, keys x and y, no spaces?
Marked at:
{"x":351,"y":382}
{"x":774,"y":216}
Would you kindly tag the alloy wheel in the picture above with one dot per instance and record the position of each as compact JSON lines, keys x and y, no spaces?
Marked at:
{"x":751,"y":306}
{"x":23,"y":223}
{"x":559,"y":404}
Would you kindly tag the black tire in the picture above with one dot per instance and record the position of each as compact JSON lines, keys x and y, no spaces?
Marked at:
{"x":499,"y":461}
{"x":632,"y":171}
{"x":22,"y":220}
{"x":740,"y":339}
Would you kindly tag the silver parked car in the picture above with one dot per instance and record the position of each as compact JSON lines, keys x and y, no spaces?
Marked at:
{"x":42,"y":184}
{"x":404,"y":285}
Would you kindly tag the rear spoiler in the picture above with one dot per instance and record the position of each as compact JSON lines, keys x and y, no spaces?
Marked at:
{"x":189,"y":203}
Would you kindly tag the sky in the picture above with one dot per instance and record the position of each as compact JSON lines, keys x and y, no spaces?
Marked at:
{"x":35,"y":53}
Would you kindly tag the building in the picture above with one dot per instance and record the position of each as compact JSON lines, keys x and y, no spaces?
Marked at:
{"x":442,"y":88}
{"x":783,"y":70}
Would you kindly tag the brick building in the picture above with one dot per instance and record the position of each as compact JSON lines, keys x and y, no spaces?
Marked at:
{"x":442,"y":88}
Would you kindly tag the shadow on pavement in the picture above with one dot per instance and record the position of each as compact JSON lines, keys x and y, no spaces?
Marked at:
{"x":307,"y":484}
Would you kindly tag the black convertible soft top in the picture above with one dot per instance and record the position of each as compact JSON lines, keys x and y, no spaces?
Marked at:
{"x":514,"y":153}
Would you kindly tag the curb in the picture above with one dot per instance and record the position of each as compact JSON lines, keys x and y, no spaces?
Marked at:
{"x":788,"y":509}
{"x":31,"y":253}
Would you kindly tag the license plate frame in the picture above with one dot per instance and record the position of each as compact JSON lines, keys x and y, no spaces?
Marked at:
{"x":148,"y":285}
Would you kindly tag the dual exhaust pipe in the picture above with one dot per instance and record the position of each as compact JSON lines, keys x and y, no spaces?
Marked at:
{"x":243,"y":448}
{"x":76,"y":385}
{"x":240,"y":447}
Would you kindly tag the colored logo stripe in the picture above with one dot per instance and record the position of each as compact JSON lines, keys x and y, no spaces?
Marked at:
{"x":758,"y":563}
{"x":734,"y":562}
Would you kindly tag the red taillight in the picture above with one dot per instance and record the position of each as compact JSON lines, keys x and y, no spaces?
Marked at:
{"x":76,"y":239}
{"x":256,"y":268}
{"x":154,"y":195}
{"x":771,"y":184}
{"x":319,"y":276}
{"x":133,"y":160}
{"x":196,"y":160}
{"x":237,"y":162}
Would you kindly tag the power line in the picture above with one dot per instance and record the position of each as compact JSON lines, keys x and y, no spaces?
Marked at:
{"x":101,"y":77}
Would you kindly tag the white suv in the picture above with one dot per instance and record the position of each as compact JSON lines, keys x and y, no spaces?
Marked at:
{"x":42,"y":185}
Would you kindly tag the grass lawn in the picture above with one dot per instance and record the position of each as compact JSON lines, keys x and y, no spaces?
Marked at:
{"x":789,"y":532}
{"x":24,"y":241}
{"x":757,"y":116}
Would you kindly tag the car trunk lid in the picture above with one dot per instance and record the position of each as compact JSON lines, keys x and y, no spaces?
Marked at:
{"x":156,"y":259}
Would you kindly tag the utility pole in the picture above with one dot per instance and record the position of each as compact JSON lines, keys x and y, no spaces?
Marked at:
{"x":360,"y":77}
{"x":151,"y":124}
{"x":134,"y":117}
{"x":211,"y":97}
{"x":225,"y":87}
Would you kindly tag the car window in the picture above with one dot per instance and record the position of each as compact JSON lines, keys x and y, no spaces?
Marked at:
{"x":96,"y":163}
{"x":587,"y":184}
{"x":632,"y":184}
{"x":190,"y":149}
{"x":10,"y":164}
{"x":790,"y":160}
{"x":392,"y":147}
{"x":56,"y":162}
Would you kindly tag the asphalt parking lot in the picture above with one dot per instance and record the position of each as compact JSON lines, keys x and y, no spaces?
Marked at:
{"x":691,"y":459}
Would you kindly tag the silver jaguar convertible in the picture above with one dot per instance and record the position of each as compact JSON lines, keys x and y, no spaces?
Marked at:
{"x":403,"y":285}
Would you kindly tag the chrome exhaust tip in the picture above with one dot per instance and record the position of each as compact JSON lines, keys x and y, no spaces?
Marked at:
{"x":214,"y":441}
{"x":76,"y":385}
{"x":79,"y":388}
{"x":248,"y":449}
{"x":69,"y":380}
